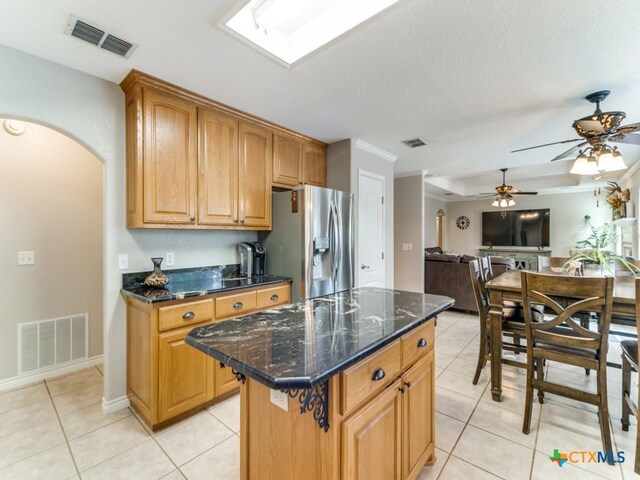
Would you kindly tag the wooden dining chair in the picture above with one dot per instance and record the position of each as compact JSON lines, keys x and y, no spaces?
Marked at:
{"x":562,"y":339}
{"x":630,"y":362}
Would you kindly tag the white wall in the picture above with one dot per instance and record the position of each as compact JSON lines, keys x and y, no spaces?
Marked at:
{"x":51,"y":197}
{"x":567,"y":220}
{"x":91,"y":111}
{"x":408,"y":229}
{"x":431,"y":207}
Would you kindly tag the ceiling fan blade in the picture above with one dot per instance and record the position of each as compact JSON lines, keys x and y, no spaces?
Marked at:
{"x":569,"y":152}
{"x":486,"y":195}
{"x":626,"y":129}
{"x":547,"y":144}
{"x":524,"y":193}
{"x":632,"y":139}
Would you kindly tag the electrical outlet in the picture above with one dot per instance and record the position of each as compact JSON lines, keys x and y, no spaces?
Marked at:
{"x":169,"y":259}
{"x":26,"y":257}
{"x":280,"y":399}
{"x":123,"y":261}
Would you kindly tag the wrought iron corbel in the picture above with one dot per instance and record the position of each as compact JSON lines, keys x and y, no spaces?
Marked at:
{"x":316,"y":400}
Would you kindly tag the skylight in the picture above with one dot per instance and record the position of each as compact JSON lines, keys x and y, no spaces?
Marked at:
{"x":291,"y":29}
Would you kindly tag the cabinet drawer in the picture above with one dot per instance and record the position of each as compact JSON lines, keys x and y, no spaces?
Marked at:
{"x":372,"y":374}
{"x":185,"y":314}
{"x":417,"y":342}
{"x":235,"y":305}
{"x":270,"y":297}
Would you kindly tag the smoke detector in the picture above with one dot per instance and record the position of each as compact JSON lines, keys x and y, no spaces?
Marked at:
{"x":414,"y":143}
{"x":98,"y":36}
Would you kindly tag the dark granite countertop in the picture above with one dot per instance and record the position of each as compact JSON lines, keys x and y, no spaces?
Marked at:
{"x":300,"y":345}
{"x":193,"y":282}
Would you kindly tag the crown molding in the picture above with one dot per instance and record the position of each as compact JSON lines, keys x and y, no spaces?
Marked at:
{"x":378,"y":152}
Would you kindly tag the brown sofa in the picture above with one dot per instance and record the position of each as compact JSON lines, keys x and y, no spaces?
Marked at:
{"x":446,"y":274}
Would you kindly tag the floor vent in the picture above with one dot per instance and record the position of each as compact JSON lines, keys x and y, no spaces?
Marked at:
{"x":98,"y":36}
{"x":50,"y":343}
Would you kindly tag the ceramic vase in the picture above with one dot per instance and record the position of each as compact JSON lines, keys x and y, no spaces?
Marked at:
{"x":156,"y":278}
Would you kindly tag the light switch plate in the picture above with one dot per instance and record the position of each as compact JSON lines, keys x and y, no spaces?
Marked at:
{"x":170,"y":260}
{"x":280,"y":399}
{"x":27,"y":257}
{"x":407,"y":246}
{"x":123,"y":261}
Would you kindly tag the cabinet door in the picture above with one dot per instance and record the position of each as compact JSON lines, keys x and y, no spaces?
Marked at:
{"x":226,"y":381}
{"x":371,"y":439}
{"x":287,"y":161}
{"x":314,"y":167}
{"x":170,"y":159}
{"x":254,"y":174}
{"x":218,"y":165}
{"x":185,"y":375}
{"x":417,"y":416}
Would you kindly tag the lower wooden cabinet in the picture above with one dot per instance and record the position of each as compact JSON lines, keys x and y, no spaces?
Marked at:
{"x":226,"y":380}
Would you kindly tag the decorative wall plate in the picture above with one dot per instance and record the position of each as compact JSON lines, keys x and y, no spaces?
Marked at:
{"x":462,"y":222}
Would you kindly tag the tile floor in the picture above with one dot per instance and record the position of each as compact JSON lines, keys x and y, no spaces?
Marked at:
{"x":56,"y":429}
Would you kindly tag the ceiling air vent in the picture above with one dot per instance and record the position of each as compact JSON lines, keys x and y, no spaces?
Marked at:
{"x":414,"y":143}
{"x":95,"y":35}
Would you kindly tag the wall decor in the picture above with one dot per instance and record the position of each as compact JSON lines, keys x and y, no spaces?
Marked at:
{"x":462,"y":222}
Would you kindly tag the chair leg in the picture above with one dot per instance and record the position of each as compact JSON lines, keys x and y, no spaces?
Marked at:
{"x":603,"y":410}
{"x":637,"y":463}
{"x":540,"y":376}
{"x":482,"y":358}
{"x":626,"y":389}
{"x":528,"y":405}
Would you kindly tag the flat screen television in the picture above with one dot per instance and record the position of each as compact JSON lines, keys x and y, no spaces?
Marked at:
{"x":516,"y":228}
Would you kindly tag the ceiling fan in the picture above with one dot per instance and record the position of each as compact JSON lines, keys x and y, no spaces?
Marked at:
{"x":504,"y":193}
{"x":595,"y":131}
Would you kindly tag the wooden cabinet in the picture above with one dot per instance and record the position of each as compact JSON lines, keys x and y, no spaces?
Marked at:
{"x":372,"y":439}
{"x":198,"y":164}
{"x":297,"y":162}
{"x":165,"y":376}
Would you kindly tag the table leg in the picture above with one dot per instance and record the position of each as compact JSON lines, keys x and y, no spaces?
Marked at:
{"x":495,"y":322}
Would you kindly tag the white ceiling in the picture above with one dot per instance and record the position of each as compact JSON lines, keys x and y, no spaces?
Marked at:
{"x":472,"y":79}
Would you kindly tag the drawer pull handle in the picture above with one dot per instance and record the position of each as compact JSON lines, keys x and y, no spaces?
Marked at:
{"x":237,"y":305}
{"x":274,"y":297}
{"x":378,"y":375}
{"x":422,"y":343}
{"x":188,"y":315}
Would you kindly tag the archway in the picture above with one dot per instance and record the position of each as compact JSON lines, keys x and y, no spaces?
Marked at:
{"x":440,"y":218}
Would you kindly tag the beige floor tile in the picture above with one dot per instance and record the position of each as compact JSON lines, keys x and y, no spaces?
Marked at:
{"x":512,"y":400}
{"x":78,"y":399}
{"x":431,"y":472}
{"x":457,"y":469}
{"x":100,"y":368}
{"x":147,"y":461}
{"x":545,"y":469}
{"x":571,"y":418}
{"x":25,"y":417}
{"x":95,"y":447}
{"x":178,"y":441}
{"x":74,"y":381}
{"x":438,"y":371}
{"x":448,"y":431}
{"x":443,"y":360}
{"x":454,"y":404}
{"x":468,"y":367}
{"x":23,"y":397}
{"x":175,"y":475}
{"x":53,"y":464}
{"x":480,"y":448}
{"x":219,"y":463}
{"x":228,"y":412}
{"x":30,"y":441}
{"x":470,"y":353}
{"x":504,"y":423}
{"x":460,"y":383}
{"x":89,"y":419}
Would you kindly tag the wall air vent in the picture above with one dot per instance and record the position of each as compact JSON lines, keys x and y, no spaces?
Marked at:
{"x":414,"y":143}
{"x":98,"y":36}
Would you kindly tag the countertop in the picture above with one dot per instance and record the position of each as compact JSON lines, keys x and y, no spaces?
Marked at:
{"x":301,"y":345}
{"x":193,"y":282}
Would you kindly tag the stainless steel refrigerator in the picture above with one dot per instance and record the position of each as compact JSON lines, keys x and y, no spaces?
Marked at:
{"x":312,"y":240}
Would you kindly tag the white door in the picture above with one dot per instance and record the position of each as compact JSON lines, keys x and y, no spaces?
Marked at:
{"x":371,"y":230}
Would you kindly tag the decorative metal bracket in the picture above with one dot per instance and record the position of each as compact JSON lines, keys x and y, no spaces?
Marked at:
{"x":239,"y":376}
{"x":314,"y":399}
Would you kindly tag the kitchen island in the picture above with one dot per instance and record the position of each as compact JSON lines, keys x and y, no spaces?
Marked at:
{"x":338,"y":387}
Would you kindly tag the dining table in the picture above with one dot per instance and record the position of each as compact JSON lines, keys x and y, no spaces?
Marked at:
{"x":507,"y":287}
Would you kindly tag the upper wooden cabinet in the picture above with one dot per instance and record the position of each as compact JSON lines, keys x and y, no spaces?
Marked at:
{"x":195,"y":163}
{"x":297,"y":162}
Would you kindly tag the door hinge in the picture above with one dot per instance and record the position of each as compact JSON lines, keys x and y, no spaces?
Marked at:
{"x":382,"y":200}
{"x":382,"y":255}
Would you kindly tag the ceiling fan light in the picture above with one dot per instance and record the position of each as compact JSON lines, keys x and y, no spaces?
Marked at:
{"x":496,"y":203}
{"x":584,"y":166}
{"x":611,"y":162}
{"x":511,"y":203}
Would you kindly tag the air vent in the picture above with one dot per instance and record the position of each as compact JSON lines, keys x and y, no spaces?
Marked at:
{"x":96,"y":35}
{"x":448,"y":193}
{"x":414,"y":143}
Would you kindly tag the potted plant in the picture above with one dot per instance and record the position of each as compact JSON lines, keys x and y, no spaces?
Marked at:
{"x":594,"y":256}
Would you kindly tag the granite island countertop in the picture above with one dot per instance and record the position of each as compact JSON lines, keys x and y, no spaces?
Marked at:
{"x":303,"y":344}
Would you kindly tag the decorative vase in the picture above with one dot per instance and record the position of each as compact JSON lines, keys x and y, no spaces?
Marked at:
{"x":156,"y":278}
{"x":616,"y":213}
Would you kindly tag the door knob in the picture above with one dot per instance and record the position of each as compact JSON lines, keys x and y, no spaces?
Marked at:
{"x":364,"y":267}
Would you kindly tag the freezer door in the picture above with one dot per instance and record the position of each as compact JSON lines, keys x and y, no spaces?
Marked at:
{"x":319,"y":243}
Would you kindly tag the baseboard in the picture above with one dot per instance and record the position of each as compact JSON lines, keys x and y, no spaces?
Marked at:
{"x":28,"y":379}
{"x":112,"y":406}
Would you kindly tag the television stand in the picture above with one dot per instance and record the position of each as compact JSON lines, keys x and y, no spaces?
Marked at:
{"x":525,"y":258}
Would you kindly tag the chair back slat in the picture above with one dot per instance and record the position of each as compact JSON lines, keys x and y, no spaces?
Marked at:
{"x":479,"y":291}
{"x":567,"y":340}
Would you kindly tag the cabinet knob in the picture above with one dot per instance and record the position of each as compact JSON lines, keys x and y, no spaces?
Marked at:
{"x":193,"y":219}
{"x":242,"y":221}
{"x":274,"y":297}
{"x":378,"y":375}
{"x":407,"y":384}
{"x":401,"y":390}
{"x":188,"y":316}
{"x":235,"y":220}
{"x":422,"y":343}
{"x":237,"y":305}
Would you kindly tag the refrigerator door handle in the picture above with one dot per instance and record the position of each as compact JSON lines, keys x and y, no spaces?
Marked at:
{"x":338,"y":233}
{"x":333,"y":232}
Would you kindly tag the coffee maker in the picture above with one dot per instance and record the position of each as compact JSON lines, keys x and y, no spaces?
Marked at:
{"x":252,"y":258}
